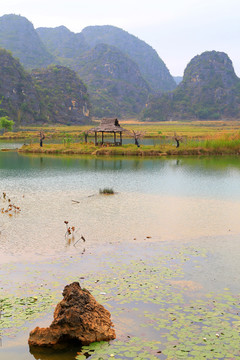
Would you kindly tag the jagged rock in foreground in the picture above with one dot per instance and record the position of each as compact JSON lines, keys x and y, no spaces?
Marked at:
{"x":78,"y":318}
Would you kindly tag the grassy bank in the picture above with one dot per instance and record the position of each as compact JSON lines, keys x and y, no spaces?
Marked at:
{"x":187,"y":129}
{"x":216,"y":145}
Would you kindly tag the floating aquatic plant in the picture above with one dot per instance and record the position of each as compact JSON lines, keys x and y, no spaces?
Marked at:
{"x":132,"y":348}
{"x":15,"y":311}
{"x":9,"y":208}
{"x":162,"y":314}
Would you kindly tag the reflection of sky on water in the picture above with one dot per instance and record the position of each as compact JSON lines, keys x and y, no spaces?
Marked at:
{"x":213,"y":178}
{"x":174,"y":199}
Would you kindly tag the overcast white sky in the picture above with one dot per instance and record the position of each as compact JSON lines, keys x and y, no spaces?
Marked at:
{"x":177,"y":29}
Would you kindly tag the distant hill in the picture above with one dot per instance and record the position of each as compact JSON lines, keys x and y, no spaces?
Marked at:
{"x":62,"y":43}
{"x":18,"y":35}
{"x":177,"y":79}
{"x":53,"y":95}
{"x":115,"y":83}
{"x":136,"y":69}
{"x":116,"y":94}
{"x":210,"y":90}
{"x":152,"y":68}
{"x":65,"y":44}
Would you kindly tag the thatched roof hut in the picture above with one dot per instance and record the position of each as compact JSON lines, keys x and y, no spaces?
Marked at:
{"x":108,"y":125}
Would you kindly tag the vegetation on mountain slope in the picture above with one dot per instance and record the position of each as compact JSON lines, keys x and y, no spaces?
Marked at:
{"x":54,"y":95}
{"x":210,"y":89}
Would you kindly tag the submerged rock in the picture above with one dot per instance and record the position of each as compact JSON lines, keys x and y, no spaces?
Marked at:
{"x":78,"y":318}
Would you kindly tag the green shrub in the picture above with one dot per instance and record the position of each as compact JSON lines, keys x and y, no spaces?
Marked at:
{"x":6,"y":124}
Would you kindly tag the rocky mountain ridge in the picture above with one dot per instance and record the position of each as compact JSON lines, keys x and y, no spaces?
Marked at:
{"x":63,"y":43}
{"x":125,"y":76}
{"x":151,"y":66}
{"x":210,"y":89}
{"x":43,"y":46}
{"x":18,"y":35}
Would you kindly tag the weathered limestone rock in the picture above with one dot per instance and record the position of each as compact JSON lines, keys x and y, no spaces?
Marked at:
{"x":78,"y":318}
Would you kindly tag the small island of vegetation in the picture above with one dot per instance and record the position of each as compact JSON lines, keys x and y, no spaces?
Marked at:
{"x":197,"y":138}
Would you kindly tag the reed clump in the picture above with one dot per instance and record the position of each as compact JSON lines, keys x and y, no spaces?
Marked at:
{"x":106,"y":191}
{"x":224,"y":141}
{"x":218,"y":143}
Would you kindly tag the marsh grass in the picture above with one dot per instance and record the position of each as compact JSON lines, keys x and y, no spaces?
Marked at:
{"x":220,"y":143}
{"x":106,"y":191}
{"x":190,"y":129}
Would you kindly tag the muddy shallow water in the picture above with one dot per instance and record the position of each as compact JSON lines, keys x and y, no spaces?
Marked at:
{"x":163,"y":250}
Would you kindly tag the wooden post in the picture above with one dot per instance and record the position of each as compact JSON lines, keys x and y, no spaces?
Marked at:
{"x":114,"y":138}
{"x":120,"y":138}
{"x":102,"y":137}
{"x":95,"y":138}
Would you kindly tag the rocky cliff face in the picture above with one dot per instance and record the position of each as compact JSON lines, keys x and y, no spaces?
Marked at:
{"x":115,"y":82}
{"x":210,"y":90}
{"x":18,"y":35}
{"x":20,"y":99}
{"x":54,"y":95}
{"x":210,"y":79}
{"x":64,"y":96}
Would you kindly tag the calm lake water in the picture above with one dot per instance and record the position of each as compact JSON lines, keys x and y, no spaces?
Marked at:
{"x":174,"y":201}
{"x":162,"y":198}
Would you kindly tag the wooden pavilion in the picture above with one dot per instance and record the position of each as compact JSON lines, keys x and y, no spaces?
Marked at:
{"x":108,"y":125}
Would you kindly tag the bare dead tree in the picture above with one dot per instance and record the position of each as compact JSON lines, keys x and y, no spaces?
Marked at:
{"x":137,"y":135}
{"x":85,"y":135}
{"x":177,"y":139}
{"x":42,"y":137}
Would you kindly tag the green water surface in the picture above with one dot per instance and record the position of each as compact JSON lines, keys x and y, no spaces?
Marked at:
{"x":162,"y":254}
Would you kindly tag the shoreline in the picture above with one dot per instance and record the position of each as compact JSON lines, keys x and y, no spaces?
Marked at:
{"x":128,"y":150}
